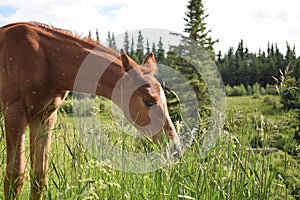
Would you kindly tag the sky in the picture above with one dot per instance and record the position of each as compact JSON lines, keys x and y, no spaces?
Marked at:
{"x":257,"y":22}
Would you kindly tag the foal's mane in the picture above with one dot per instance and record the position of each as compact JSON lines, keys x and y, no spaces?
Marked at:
{"x":65,"y":32}
{"x":76,"y":36}
{"x":89,"y":41}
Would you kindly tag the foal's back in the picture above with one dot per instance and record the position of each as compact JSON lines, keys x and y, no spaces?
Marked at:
{"x":25,"y":73}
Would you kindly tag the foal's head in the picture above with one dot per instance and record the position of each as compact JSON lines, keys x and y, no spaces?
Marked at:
{"x":143,"y":100}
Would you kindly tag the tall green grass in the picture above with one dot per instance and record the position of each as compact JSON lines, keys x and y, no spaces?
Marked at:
{"x":228,"y":171}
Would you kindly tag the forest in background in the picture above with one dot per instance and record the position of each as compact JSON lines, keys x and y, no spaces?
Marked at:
{"x":237,"y":66}
{"x":274,"y":71}
{"x":251,"y":121}
{"x":243,"y":72}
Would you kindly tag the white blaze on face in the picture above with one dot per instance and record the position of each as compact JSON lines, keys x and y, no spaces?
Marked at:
{"x":163,"y":98}
{"x":169,"y":126}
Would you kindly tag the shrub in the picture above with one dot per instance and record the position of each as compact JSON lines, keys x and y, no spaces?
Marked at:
{"x":289,"y":89}
{"x":256,"y":88}
{"x":270,"y":90}
{"x":85,"y":106}
{"x":228,"y":90}
{"x":239,"y":90}
{"x":249,"y":90}
{"x":271,"y":101}
{"x":256,"y":96}
{"x":263,"y":91}
{"x":66,"y":107}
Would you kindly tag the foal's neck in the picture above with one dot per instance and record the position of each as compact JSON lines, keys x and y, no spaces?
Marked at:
{"x":87,"y":68}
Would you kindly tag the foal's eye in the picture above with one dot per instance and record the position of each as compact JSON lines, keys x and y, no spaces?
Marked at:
{"x":149,"y":102}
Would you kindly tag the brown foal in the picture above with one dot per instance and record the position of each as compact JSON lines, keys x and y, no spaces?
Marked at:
{"x":38,"y":66}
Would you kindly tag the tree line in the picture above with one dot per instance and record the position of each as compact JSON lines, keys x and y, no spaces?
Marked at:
{"x":239,"y":68}
{"x":236,"y":67}
{"x":247,"y":68}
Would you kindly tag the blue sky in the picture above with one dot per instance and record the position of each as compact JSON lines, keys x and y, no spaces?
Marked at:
{"x":257,"y":22}
{"x":7,"y":11}
{"x":110,"y":9}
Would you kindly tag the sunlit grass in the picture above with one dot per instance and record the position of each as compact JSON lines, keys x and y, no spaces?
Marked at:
{"x":229,"y":171}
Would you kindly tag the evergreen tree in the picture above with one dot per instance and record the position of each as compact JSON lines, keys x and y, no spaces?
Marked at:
{"x":290,"y":56}
{"x":228,"y":71}
{"x":160,"y":52}
{"x":97,"y":36}
{"x":132,"y":51}
{"x":153,"y":49}
{"x":113,"y":42}
{"x":140,"y":41}
{"x":219,"y":57}
{"x":249,"y":68}
{"x":279,"y":60}
{"x":147,"y":47}
{"x":296,"y":69}
{"x":196,"y":26}
{"x":255,"y":65}
{"x":292,"y":62}
{"x":140,"y":48}
{"x":126,"y":43}
{"x":243,"y":68}
{"x":195,"y":47}
{"x":108,"y":40}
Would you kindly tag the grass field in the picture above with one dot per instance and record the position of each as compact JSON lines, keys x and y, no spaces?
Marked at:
{"x":229,"y":171}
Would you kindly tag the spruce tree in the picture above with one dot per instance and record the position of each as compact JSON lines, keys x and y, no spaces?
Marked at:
{"x":147,"y":47}
{"x":97,"y":36}
{"x":290,"y":55}
{"x":196,"y":26}
{"x":196,"y":48}
{"x":126,"y":42}
{"x":113,"y":42}
{"x":240,"y":50}
{"x":153,"y":49}
{"x":296,"y":69}
{"x":160,"y":52}
{"x":108,"y":40}
{"x":227,"y":67}
{"x":140,"y":48}
{"x":90,"y":35}
{"x":132,"y":51}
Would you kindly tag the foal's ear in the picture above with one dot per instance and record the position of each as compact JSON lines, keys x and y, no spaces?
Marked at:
{"x":126,"y":61}
{"x":149,"y":64}
{"x":149,"y":60}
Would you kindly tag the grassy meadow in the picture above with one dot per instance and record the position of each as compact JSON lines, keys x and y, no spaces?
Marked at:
{"x":229,"y":171}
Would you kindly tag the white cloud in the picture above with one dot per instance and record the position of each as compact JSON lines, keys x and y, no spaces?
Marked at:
{"x":255,"y":21}
{"x":116,"y":16}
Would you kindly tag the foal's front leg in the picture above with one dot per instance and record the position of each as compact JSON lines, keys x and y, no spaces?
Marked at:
{"x":40,"y":138}
{"x":15,"y":123}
